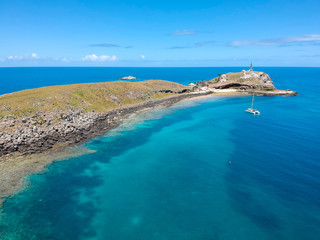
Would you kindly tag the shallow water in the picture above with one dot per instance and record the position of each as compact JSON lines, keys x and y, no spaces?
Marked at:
{"x":202,"y":169}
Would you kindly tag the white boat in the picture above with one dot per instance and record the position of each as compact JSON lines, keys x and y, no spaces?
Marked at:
{"x":128,"y":78}
{"x":251,"y":110}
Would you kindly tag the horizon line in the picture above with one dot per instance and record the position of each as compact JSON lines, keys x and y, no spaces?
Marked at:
{"x":147,"y":66}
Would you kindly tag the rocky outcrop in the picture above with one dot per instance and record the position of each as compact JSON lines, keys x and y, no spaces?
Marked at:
{"x":261,"y":76}
{"x":70,"y":128}
{"x":247,"y":82}
{"x":243,"y":86}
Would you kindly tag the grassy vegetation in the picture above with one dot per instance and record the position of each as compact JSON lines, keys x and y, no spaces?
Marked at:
{"x":212,"y":81}
{"x":100,"y":97}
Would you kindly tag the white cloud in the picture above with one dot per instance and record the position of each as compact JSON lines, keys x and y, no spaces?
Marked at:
{"x":114,"y":58}
{"x":15,"y":58}
{"x":142,"y":57}
{"x":102,"y":58}
{"x":34,"y":56}
{"x":25,"y":57}
{"x":184,"y":32}
{"x":303,"y":39}
{"x":65,"y":60}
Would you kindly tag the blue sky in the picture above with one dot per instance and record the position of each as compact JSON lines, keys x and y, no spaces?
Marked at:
{"x":159,"y":33}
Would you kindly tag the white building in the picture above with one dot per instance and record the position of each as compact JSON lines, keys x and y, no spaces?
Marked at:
{"x":223,"y":78}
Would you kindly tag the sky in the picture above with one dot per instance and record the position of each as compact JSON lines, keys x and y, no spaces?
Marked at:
{"x":155,"y":33}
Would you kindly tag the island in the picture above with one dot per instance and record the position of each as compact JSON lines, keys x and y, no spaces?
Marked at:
{"x":35,"y":121}
{"x":38,"y":119}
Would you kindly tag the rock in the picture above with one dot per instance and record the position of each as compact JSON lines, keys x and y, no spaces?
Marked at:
{"x":115,"y":99}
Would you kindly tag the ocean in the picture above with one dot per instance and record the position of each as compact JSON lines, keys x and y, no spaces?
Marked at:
{"x":201,"y":169}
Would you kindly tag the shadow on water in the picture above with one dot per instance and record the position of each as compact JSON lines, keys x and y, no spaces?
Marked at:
{"x":246,"y":203}
{"x":50,"y":208}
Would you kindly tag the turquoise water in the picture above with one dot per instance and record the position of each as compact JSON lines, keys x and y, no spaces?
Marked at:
{"x":166,"y":174}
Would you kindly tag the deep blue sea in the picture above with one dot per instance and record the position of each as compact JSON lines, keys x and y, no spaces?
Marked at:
{"x":199,"y":170}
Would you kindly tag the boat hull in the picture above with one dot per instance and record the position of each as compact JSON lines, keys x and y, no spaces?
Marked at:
{"x":253,"y":111}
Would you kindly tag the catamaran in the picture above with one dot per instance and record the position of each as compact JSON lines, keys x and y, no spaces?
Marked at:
{"x":251,"y":110}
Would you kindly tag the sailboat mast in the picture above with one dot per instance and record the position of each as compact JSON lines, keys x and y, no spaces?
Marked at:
{"x":252,"y":101}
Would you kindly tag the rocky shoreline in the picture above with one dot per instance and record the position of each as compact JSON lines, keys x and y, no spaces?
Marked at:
{"x":76,"y":127}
